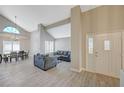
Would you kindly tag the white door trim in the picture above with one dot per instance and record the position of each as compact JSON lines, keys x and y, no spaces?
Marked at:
{"x":87,"y":56}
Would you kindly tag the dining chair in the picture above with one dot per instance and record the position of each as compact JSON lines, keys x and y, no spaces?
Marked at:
{"x":13,"y":55}
{"x":0,"y":58}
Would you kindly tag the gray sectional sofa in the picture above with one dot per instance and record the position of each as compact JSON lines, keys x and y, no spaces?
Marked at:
{"x":63,"y":55}
{"x":45,"y":62}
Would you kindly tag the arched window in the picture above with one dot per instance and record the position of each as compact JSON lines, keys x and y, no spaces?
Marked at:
{"x":11,"y":30}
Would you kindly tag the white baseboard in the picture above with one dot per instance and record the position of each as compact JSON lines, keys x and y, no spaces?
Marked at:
{"x":88,"y":70}
{"x":80,"y":70}
{"x":76,"y":70}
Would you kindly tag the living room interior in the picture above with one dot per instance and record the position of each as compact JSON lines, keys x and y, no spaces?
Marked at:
{"x":61,"y":46}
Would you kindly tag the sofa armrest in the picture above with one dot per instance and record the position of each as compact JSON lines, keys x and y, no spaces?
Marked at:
{"x":50,"y":59}
{"x":39,"y":61}
{"x":50,"y":62}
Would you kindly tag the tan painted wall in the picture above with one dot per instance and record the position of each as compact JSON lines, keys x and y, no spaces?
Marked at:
{"x":104,"y":19}
{"x":101,"y":20}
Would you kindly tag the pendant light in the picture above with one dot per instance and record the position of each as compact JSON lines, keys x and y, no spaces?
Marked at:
{"x":15,"y":35}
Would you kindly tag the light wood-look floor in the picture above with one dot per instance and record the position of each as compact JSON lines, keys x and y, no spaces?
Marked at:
{"x":24,"y":74}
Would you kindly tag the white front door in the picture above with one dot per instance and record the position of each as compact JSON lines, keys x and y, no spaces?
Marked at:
{"x":107,"y":53}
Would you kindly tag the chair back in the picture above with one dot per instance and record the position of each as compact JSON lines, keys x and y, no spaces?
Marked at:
{"x":21,"y":53}
{"x":0,"y":58}
{"x":28,"y":52}
{"x":13,"y":54}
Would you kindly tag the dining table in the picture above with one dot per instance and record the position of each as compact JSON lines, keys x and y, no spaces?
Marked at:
{"x":16,"y":55}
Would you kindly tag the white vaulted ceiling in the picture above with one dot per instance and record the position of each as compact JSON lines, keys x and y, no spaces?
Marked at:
{"x":60,"y":31}
{"x":29,"y":16}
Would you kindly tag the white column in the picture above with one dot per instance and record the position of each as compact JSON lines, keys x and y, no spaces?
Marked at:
{"x":76,"y":39}
{"x":41,"y":29}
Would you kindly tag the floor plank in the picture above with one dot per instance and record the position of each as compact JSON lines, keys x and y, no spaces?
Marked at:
{"x":24,"y":74}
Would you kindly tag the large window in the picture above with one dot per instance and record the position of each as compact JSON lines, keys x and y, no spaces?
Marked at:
{"x":49,"y":46}
{"x":9,"y":46}
{"x":90,"y":45}
{"x":11,"y":30}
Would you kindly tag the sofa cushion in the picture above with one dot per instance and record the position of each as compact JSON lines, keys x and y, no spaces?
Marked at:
{"x":63,"y":55}
{"x":65,"y":52}
{"x":58,"y":52}
{"x":40,"y":56}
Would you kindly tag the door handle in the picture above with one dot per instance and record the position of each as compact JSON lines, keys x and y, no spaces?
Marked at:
{"x":96,"y":55}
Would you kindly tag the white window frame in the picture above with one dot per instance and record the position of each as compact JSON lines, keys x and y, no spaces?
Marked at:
{"x":107,"y":45}
{"x":12,"y":46}
{"x":49,"y":47}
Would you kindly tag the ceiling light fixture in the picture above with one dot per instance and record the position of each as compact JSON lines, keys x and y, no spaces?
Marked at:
{"x":15,"y":35}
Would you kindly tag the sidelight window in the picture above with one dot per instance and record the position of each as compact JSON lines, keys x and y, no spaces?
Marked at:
{"x":107,"y":45}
